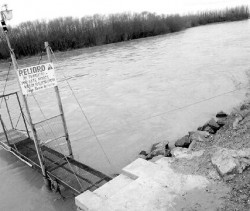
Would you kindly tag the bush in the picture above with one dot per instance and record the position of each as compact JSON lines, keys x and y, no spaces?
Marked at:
{"x":70,"y":33}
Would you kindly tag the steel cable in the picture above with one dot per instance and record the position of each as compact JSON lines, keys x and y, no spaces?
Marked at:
{"x":58,"y":144}
{"x":85,"y":116}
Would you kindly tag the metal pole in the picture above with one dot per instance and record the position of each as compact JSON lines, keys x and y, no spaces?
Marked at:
{"x":8,"y":111}
{"x":21,"y":109}
{"x":5,"y":133}
{"x":33,"y":131}
{"x":60,"y":105}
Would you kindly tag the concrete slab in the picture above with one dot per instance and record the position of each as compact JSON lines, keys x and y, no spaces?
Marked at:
{"x":115,"y":185}
{"x":143,"y":194}
{"x":88,"y":201}
{"x":164,"y":175}
{"x":143,"y":186}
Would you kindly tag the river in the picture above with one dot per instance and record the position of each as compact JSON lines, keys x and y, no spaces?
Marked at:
{"x":134,"y":94}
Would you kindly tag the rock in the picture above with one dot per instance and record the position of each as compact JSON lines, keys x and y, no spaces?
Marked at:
{"x":230,"y":162}
{"x":142,"y":157}
{"x":221,"y":114}
{"x":200,"y":128}
{"x":224,"y":162}
{"x":168,"y":153}
{"x":160,"y":148}
{"x":180,"y":152}
{"x":221,"y":118}
{"x":192,"y":145}
{"x":183,"y":142}
{"x":203,"y":133}
{"x":209,"y":130}
{"x":213,"y":124}
{"x":222,"y":121}
{"x":237,"y":121}
{"x":198,"y":136}
{"x":245,"y":106}
{"x":143,"y":154}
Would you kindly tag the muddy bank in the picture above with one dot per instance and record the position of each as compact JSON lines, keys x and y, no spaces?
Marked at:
{"x":220,"y":151}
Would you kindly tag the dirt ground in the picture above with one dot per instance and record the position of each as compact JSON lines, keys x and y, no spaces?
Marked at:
{"x":231,"y":193}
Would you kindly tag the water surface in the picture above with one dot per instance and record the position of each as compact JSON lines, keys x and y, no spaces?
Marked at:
{"x":134,"y":94}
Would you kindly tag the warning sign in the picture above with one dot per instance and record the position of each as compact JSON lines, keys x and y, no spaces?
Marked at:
{"x":36,"y":78}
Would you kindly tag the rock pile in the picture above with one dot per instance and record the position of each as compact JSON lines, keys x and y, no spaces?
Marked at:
{"x":223,"y":156}
{"x":188,"y":141}
{"x":203,"y":132}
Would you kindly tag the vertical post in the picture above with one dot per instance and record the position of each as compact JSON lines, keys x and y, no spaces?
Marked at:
{"x":60,"y":105}
{"x":21,"y":109}
{"x":33,"y":131}
{"x":8,"y":111}
{"x":5,"y":133}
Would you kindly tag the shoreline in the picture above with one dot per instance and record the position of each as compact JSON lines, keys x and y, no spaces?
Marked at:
{"x":221,"y":153}
{"x":212,"y":174}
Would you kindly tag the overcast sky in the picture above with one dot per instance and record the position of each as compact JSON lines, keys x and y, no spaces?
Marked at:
{"x":24,"y":10}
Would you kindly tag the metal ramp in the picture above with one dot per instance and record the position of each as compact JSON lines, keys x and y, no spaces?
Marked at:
{"x":62,"y":168}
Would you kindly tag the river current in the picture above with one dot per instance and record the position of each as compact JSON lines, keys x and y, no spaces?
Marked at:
{"x":134,"y":94}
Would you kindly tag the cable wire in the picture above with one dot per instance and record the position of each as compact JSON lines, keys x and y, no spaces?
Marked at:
{"x":55,"y":138}
{"x":141,"y":120}
{"x":198,"y":102}
{"x":85,"y":116}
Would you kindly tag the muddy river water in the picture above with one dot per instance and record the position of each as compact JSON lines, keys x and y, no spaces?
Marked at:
{"x":134,"y":94}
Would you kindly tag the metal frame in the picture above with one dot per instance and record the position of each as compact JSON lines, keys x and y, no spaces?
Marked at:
{"x":9,"y":113}
{"x":24,"y":155}
{"x":59,"y":101}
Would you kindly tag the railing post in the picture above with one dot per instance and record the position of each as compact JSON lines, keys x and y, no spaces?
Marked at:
{"x":5,"y":133}
{"x":60,"y":105}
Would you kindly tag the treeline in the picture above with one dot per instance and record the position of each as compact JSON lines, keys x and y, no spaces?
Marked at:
{"x":70,"y":33}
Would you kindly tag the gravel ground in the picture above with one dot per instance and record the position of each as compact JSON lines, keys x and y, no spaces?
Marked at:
{"x":231,"y":193}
